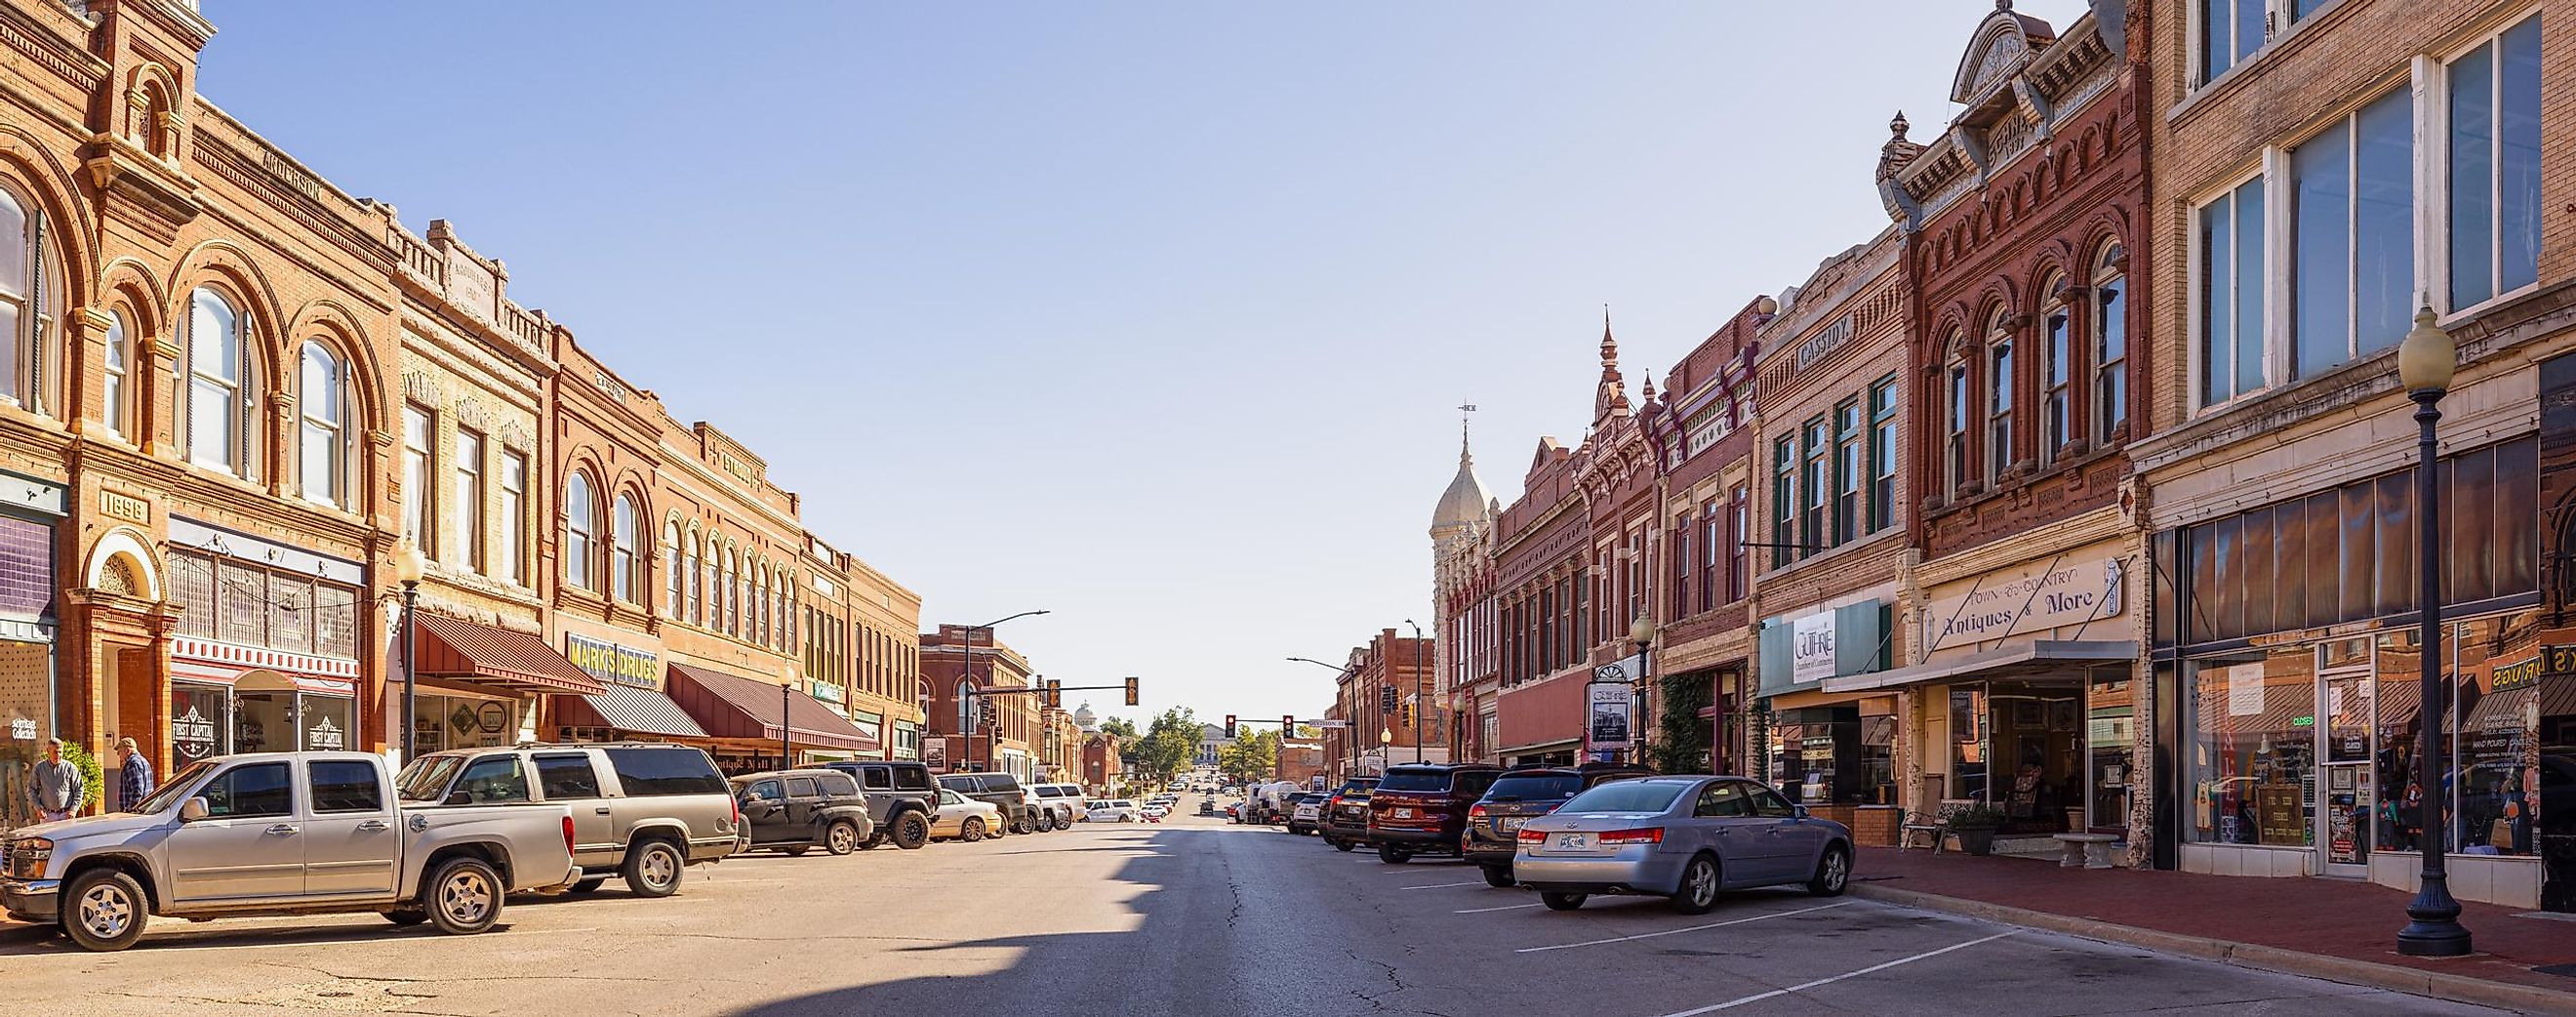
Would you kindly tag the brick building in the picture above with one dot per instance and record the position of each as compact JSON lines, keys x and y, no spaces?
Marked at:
{"x":1703,"y":430}
{"x":2323,"y":173}
{"x":1299,"y":759}
{"x":1010,"y":744}
{"x":1395,"y":669}
{"x":1102,"y":771}
{"x":1462,"y":607}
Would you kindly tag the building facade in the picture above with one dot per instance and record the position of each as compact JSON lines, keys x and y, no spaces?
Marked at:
{"x":1462,"y":607}
{"x":1703,"y":645}
{"x":985,"y":733}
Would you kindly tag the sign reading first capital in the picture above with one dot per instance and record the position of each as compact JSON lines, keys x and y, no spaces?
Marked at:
{"x":614,"y":664}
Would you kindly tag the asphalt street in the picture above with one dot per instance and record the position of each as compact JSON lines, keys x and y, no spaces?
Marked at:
{"x":1184,"y":918}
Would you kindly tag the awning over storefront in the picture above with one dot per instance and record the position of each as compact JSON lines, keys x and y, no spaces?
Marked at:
{"x":2008,"y":662}
{"x":456,"y":648}
{"x":628,"y":708}
{"x":731,"y":707}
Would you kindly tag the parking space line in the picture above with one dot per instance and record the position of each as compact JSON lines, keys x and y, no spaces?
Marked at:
{"x":1804,"y":986}
{"x":1444,"y":886}
{"x":1506,"y":907}
{"x":1676,"y":932}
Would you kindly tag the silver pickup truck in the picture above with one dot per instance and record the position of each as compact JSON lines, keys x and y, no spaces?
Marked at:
{"x":282,"y":833}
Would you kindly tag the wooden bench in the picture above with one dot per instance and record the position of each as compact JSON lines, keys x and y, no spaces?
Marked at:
{"x":2086,"y":850}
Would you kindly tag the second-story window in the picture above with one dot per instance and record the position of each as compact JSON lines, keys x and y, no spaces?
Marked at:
{"x":2231,"y":293}
{"x":469,"y":499}
{"x":1784,"y":500}
{"x":2057,"y":373}
{"x":2352,"y":244}
{"x":1740,"y":519}
{"x":1848,"y":471}
{"x":581,"y":533}
{"x":419,"y":445}
{"x":2494,"y":166}
{"x":220,"y":399}
{"x":513,"y":538}
{"x":675,"y":580}
{"x":112,"y":394}
{"x":696,"y":569}
{"x":2110,"y":343}
{"x":322,"y":432}
{"x":1714,"y":544}
{"x":623,"y":574}
{"x":1954,"y":449}
{"x":1999,"y":395}
{"x":1817,"y":478}
{"x":1882,"y":454}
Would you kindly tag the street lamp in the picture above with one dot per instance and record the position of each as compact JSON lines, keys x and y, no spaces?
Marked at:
{"x":1640,"y":632}
{"x":992,"y":748}
{"x":2424,"y":364}
{"x":409,"y":566}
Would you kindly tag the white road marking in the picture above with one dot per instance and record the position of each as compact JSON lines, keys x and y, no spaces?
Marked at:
{"x":1675,"y":932}
{"x":1760,"y":996}
{"x":1444,"y":886}
{"x":1506,"y":907}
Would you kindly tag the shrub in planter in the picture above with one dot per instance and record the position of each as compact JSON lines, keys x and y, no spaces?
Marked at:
{"x":1975,"y":824}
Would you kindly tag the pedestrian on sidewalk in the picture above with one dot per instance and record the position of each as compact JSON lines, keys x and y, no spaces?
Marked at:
{"x":56,"y":791}
{"x":134,"y":780}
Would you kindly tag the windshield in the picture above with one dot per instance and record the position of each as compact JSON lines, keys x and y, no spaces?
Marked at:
{"x":1415,"y":780}
{"x":426,"y":777}
{"x":1356,"y":790}
{"x":178,"y":784}
{"x":1536,"y":785}
{"x":1627,"y":796}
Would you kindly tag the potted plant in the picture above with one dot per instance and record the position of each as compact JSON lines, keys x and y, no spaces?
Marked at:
{"x":1975,"y":823}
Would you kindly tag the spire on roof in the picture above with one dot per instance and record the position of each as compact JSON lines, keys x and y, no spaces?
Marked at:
{"x":1612,"y":394}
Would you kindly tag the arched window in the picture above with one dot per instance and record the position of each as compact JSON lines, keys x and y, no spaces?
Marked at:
{"x":1999,"y":394}
{"x":322,"y":403}
{"x":965,"y":705}
{"x":150,"y":132}
{"x":675,"y":580}
{"x":697,"y":569}
{"x":112,"y":394}
{"x":621,"y":552}
{"x":1954,"y":377}
{"x":2057,"y":371}
{"x":2110,"y":342}
{"x":220,"y":398}
{"x":26,"y":303}
{"x":581,"y":533}
{"x":760,"y":604}
{"x":732,"y":594}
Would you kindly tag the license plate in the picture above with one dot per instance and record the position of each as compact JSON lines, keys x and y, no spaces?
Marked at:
{"x":1508,"y":824}
{"x":1573,"y":842}
{"x":1404,"y":813}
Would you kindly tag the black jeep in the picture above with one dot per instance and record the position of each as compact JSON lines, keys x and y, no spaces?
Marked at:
{"x":901,"y":799}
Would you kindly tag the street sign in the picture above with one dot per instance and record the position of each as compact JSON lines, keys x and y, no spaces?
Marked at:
{"x":1335,"y":724}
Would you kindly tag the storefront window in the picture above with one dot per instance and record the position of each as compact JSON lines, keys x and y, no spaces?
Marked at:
{"x":197,"y":722}
{"x":1968,"y":742}
{"x":2250,"y":719}
{"x":1833,"y":755}
{"x":2495,"y":727}
{"x":2110,"y":735}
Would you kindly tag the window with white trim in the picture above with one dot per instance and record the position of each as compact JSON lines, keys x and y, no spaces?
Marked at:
{"x":513,"y":537}
{"x":2230,"y":231}
{"x":220,"y":435}
{"x":2352,"y":236}
{"x":112,"y":394}
{"x":2493,"y":166}
{"x":2110,"y":342}
{"x":468,"y":514}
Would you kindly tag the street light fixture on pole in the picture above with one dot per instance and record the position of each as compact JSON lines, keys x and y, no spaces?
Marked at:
{"x":992,"y":748}
{"x":409,"y":566}
{"x":2425,"y":361}
{"x":1642,"y":633}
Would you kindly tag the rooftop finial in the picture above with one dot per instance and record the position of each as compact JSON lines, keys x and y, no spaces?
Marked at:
{"x":1899,"y":125}
{"x":1464,"y":409}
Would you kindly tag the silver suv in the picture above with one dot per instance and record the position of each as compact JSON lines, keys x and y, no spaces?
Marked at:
{"x":640,"y":810}
{"x":1062,"y":805}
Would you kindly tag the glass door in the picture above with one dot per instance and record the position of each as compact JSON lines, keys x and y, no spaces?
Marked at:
{"x":2345,"y":782}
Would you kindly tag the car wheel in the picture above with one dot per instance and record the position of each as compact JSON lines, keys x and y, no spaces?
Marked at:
{"x":1024,"y":825}
{"x":1343,"y":845}
{"x":1393,"y":855}
{"x":911,"y":831}
{"x":841,"y":839}
{"x":1833,"y":872}
{"x":973,"y":830}
{"x":1698,"y":891}
{"x":464,"y":896}
{"x":587,"y":884}
{"x":1561,"y":901}
{"x":1498,"y":875}
{"x":104,"y":909}
{"x":653,"y":869}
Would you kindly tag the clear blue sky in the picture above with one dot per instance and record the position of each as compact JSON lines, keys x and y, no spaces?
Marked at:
{"x":1152,"y":314}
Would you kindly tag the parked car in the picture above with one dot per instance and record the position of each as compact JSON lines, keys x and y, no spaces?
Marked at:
{"x":1421,"y":808}
{"x":1116,"y":810}
{"x":1346,"y":814}
{"x":796,"y":810}
{"x":1154,"y":813}
{"x":283,"y":833}
{"x":1686,"y":838}
{"x":963,"y":818}
{"x":1019,"y":814}
{"x":643,"y":811}
{"x":1306,"y":813}
{"x":1063,"y":804}
{"x":901,"y":797}
{"x":1516,"y":797}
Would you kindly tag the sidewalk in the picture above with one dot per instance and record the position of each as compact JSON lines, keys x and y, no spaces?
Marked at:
{"x":2342,"y":930}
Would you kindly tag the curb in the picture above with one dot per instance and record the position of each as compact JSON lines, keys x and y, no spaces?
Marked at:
{"x":2413,"y":981}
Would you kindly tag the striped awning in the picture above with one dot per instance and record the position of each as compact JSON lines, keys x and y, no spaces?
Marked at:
{"x":628,"y":708}
{"x":730,"y":706}
{"x":456,"y":648}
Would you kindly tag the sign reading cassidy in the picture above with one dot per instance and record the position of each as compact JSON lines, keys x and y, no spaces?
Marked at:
{"x":2044,"y":596}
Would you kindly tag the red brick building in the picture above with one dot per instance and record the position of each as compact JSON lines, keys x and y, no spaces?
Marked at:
{"x":1010,"y":747}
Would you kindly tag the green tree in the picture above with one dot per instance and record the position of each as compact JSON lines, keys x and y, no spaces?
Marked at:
{"x":1122,"y":727}
{"x":1253,"y":757}
{"x":1169,"y":746}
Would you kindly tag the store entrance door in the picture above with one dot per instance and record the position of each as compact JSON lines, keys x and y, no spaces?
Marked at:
{"x":2341,"y":798}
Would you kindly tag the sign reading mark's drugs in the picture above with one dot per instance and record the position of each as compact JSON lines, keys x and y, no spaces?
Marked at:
{"x":2044,"y":596}
{"x":617,"y":665}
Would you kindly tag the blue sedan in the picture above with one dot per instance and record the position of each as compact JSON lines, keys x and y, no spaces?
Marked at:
{"x":1685,"y":838}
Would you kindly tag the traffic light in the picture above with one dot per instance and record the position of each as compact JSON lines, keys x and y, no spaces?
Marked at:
{"x":1055,"y":693}
{"x":1287,"y":725}
{"x":1229,"y":725}
{"x":1407,"y":715}
{"x":1131,"y":691}
{"x":1386,"y":699}
{"x":985,"y":711}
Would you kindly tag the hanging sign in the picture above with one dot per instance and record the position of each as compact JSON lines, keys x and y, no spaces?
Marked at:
{"x":1609,"y":712}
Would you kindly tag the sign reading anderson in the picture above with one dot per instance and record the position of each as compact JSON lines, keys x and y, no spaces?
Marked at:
{"x":2063,"y":594}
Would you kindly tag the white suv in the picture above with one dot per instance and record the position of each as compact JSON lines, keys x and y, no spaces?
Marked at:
{"x":1121,"y":810}
{"x":1061,"y":803}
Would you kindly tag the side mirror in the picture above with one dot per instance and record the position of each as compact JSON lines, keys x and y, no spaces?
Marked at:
{"x":193,"y":810}
{"x":1799,"y":811}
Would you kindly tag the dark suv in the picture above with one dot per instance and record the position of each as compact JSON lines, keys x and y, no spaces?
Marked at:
{"x":1494,"y":823}
{"x":794,"y":810}
{"x":1346,"y":814}
{"x":901,"y":800}
{"x":1421,"y":808}
{"x":1019,"y":815}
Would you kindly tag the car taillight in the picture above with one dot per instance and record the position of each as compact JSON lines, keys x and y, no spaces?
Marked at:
{"x":1529,"y":836}
{"x":1476,"y":812}
{"x":737,"y":813}
{"x":567,"y":834}
{"x":1641,"y":835}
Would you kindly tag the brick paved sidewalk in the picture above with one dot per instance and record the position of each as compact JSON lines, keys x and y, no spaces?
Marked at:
{"x":2347,"y":920}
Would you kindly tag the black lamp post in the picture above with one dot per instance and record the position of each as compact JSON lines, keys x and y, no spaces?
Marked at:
{"x":2424,"y":364}
{"x":408,"y":568}
{"x":1640,"y":632}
